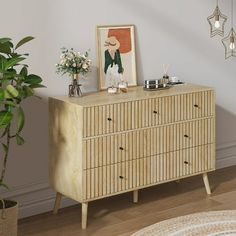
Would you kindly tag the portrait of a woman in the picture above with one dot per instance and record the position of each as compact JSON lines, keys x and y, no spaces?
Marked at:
{"x":116,"y":55}
{"x":113,"y":64}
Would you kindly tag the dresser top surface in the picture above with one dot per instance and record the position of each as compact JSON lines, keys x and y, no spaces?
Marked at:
{"x":134,"y":93}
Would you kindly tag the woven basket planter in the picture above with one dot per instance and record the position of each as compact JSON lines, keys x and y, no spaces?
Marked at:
{"x":8,"y":218}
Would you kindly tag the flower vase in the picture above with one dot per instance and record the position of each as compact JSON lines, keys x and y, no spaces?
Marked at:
{"x":74,"y":87}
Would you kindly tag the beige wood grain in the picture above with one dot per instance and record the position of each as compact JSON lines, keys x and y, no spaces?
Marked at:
{"x":206,"y":182}
{"x":84,"y":214}
{"x":169,"y":166}
{"x":106,"y":145}
{"x":65,"y":148}
{"x":135,"y":196}
{"x":57,"y":203}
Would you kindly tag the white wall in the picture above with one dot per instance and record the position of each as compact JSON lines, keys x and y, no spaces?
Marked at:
{"x":167,"y":31}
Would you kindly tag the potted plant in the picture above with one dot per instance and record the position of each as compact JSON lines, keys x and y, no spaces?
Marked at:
{"x":16,"y":84}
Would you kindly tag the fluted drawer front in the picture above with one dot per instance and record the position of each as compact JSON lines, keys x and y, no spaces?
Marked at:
{"x":182,"y":163}
{"x":107,"y":119}
{"x":127,"y":175}
{"x":131,"y":145}
{"x":148,"y":112}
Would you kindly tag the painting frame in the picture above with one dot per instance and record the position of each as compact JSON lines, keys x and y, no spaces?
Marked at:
{"x":131,"y":78}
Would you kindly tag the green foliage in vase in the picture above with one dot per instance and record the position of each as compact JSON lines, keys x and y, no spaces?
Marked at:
{"x":16,"y":84}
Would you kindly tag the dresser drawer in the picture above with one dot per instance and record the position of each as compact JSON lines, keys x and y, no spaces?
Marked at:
{"x":181,"y":163}
{"x":119,"y":177}
{"x":107,"y":119}
{"x":170,"y":109}
{"x":110,"y":149}
{"x":124,"y":176}
{"x":148,"y":112}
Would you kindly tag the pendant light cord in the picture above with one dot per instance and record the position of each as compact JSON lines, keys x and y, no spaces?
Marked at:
{"x":232,"y":13}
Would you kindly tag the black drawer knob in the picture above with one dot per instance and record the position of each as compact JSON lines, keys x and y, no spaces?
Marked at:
{"x":121,"y":177}
{"x":195,"y":105}
{"x":155,"y":112}
{"x":109,"y":119}
{"x":186,"y":162}
{"x":121,"y":148}
{"x":186,"y":136}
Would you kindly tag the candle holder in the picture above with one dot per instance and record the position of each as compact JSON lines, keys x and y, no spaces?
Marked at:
{"x":123,"y":86}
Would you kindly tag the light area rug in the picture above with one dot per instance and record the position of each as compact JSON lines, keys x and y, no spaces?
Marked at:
{"x":212,"y":223}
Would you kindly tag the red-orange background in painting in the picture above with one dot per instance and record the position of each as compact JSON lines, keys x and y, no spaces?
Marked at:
{"x":124,"y":37}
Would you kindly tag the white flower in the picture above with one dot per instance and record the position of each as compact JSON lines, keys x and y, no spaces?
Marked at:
{"x":70,"y":59}
{"x":84,"y":66}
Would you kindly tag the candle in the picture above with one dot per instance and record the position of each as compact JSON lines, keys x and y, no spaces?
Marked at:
{"x":112,"y":90}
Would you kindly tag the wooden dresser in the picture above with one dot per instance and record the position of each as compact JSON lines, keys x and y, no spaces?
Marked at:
{"x":102,"y":145}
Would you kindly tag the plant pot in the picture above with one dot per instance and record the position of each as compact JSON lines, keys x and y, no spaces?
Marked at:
{"x":8,"y":218}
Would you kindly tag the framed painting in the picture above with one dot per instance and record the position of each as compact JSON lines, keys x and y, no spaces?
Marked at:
{"x":116,"y":55}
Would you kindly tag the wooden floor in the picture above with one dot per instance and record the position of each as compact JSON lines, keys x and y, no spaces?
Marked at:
{"x":119,"y":216}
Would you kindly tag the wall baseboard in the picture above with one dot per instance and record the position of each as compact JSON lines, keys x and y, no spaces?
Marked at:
{"x":37,"y":198}
{"x":226,"y":155}
{"x":42,"y":206}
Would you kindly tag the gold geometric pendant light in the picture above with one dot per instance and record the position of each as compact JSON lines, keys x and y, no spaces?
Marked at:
{"x":229,"y":42}
{"x":217,"y":22}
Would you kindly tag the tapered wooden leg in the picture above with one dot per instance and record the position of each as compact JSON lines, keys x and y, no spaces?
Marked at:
{"x":57,"y":203}
{"x":84,"y":214}
{"x":206,"y":182}
{"x":135,"y":196}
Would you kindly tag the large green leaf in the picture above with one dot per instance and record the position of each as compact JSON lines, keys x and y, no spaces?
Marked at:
{"x":9,"y":44}
{"x":5,"y":118}
{"x":27,"y":91}
{"x":9,"y":74}
{"x":23,"y":41}
{"x":4,"y":48}
{"x":33,"y":79}
{"x":4,"y":40}
{"x":3,"y":61}
{"x":12,"y":90}
{"x":20,"y":119}
{"x":9,"y":103}
{"x":24,"y":71}
{"x":33,"y":86}
{"x":19,"y":140}
{"x":13,"y":62}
